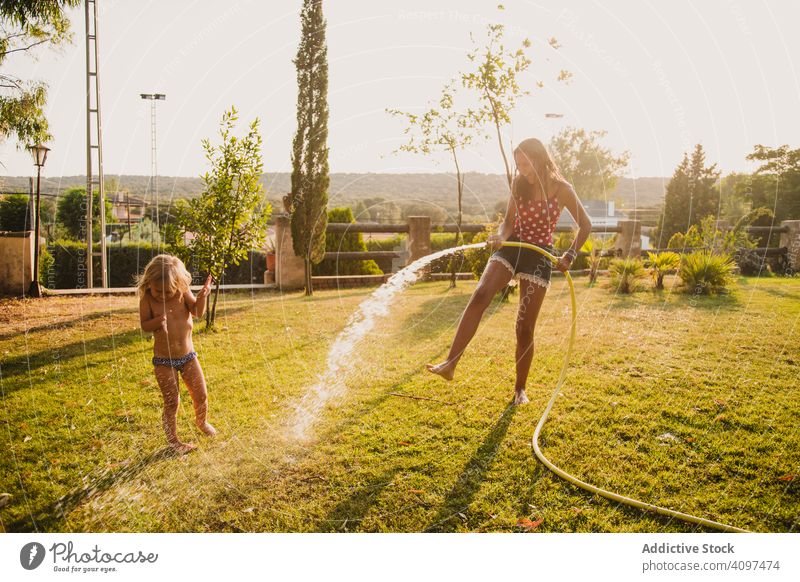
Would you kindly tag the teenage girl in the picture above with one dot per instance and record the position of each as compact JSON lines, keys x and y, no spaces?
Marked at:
{"x":538,"y":195}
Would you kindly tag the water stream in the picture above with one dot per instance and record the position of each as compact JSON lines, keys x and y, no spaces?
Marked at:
{"x":331,"y":383}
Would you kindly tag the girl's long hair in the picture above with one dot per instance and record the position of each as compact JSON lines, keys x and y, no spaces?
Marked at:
{"x":546,"y":172}
{"x":167,"y":269}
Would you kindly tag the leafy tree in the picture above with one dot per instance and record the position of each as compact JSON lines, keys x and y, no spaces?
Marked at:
{"x":310,"y":179}
{"x":437,"y":213}
{"x":443,"y":128}
{"x":691,"y":195}
{"x":71,"y":213}
{"x":360,"y":212}
{"x":230,"y":217}
{"x":25,"y":24}
{"x":495,"y":80}
{"x":591,"y":168}
{"x":776,"y":183}
{"x":735,"y":195}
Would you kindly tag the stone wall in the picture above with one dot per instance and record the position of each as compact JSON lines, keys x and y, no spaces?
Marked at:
{"x":16,"y":262}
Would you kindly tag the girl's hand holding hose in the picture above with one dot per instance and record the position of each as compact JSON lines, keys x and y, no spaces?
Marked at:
{"x":494,"y":242}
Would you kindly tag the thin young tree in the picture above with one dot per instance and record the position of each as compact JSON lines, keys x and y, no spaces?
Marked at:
{"x":496,"y":81}
{"x":592,"y":169}
{"x":443,"y":128}
{"x":310,"y":179}
{"x":230,"y":217}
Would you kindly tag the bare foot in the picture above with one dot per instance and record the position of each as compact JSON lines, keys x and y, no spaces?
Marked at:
{"x":183,"y":448}
{"x":520,"y":397}
{"x":207,"y":429}
{"x":446,"y":369}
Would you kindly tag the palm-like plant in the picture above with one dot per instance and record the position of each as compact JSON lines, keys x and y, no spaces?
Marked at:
{"x":627,"y":273}
{"x":705,"y":272}
{"x":660,"y":263}
{"x":595,"y":246}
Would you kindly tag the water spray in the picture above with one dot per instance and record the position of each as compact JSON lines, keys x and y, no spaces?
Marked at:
{"x":563,"y":474}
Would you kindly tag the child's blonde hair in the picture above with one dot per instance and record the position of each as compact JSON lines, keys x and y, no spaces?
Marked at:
{"x":167,"y":269}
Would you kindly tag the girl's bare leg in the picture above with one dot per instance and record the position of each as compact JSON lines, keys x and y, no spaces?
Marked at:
{"x":495,"y":277}
{"x":196,"y":383}
{"x":167,"y":379}
{"x":531,"y":297}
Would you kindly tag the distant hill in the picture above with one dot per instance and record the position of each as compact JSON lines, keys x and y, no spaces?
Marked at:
{"x":482,"y":191}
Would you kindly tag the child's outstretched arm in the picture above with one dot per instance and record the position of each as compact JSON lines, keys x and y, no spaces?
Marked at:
{"x":197,"y":305}
{"x":150,"y":323}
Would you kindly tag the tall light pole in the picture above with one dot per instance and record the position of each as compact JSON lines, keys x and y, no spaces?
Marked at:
{"x":153,"y":97}
{"x":39,"y":153}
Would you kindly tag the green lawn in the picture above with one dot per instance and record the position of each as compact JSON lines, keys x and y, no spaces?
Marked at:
{"x":688,"y":403}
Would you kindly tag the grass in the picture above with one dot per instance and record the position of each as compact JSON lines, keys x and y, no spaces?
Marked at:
{"x":685,"y":402}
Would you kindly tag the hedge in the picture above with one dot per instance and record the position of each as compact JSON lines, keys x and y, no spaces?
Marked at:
{"x":126,"y":261}
{"x":340,"y":242}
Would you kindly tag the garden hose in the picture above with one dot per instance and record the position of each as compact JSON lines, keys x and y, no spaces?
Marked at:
{"x":564,"y":474}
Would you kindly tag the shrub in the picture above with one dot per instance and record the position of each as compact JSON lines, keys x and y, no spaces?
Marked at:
{"x":660,"y":263}
{"x":627,"y":274}
{"x":46,"y":262}
{"x":479,"y":257}
{"x":126,"y":261}
{"x":344,"y":242}
{"x":394,"y":243}
{"x":14,"y":213}
{"x":249,"y":271}
{"x":704,"y":272}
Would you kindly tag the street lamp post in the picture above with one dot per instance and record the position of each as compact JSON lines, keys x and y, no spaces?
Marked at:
{"x":39,"y":153}
{"x":153,"y":97}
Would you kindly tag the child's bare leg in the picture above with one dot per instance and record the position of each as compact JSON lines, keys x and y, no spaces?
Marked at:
{"x":168,"y":382}
{"x":495,"y":277}
{"x":531,"y":297}
{"x":196,"y":383}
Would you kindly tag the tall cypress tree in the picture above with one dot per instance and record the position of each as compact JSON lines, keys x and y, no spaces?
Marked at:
{"x":691,"y":196}
{"x":310,"y":178}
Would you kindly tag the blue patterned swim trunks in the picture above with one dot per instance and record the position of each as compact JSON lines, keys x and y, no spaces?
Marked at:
{"x":177,"y":363}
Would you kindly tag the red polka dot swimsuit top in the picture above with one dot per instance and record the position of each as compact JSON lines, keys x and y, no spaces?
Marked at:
{"x":536,"y":220}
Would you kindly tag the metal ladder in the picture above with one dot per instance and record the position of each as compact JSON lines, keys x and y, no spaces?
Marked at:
{"x":94,"y":149}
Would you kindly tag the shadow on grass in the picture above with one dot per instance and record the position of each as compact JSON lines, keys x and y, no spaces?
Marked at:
{"x":444,"y":312}
{"x":49,"y":518}
{"x":66,"y":324}
{"x":673,"y":299}
{"x":778,"y":293}
{"x":433,"y":316}
{"x":355,"y":507}
{"x":472,"y":475}
{"x":62,"y":354}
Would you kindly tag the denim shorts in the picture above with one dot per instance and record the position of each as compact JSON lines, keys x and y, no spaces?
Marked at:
{"x":525,"y":263}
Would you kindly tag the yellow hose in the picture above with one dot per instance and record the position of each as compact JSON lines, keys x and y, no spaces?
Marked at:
{"x":564,"y":474}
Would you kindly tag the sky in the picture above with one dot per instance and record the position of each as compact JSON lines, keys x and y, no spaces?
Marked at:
{"x":659,"y":77}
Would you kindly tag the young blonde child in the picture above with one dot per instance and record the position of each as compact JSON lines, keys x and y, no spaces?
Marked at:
{"x":166,"y":307}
